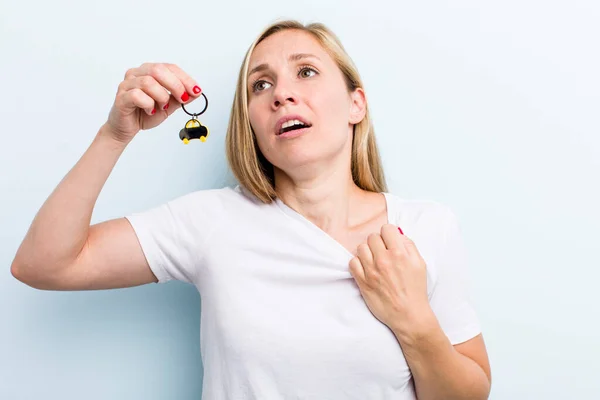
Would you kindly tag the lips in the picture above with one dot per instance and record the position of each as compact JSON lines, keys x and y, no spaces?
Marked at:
{"x":286,"y":119}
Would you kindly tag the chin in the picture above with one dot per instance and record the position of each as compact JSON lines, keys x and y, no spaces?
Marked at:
{"x":300,"y":152}
{"x":300,"y":159}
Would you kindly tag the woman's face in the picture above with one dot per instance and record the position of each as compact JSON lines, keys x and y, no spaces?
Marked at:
{"x":291,"y":75}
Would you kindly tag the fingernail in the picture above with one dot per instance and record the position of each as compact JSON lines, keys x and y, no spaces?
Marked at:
{"x":197,"y":89}
{"x":185,"y":96}
{"x":400,"y":230}
{"x":153,"y":111}
{"x":166,"y":106}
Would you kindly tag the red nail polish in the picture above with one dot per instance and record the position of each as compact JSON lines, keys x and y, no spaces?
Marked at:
{"x":400,"y":230}
{"x":185,"y":96}
{"x":153,"y":111}
{"x":166,"y":106}
{"x":197,"y":89}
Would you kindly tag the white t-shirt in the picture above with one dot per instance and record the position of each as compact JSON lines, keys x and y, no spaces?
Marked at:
{"x":282,"y":317}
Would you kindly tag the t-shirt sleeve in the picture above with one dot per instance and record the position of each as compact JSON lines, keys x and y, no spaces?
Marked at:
{"x":170,"y":238}
{"x":451,"y":298}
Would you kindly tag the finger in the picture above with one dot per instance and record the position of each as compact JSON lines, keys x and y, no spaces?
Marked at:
{"x":376,"y":245}
{"x":190,"y":84}
{"x":411,"y":247}
{"x":357,"y":271}
{"x":365,"y":256}
{"x":135,"y":98}
{"x":168,"y":79}
{"x":152,"y":88}
{"x":131,"y":73}
{"x":391,"y":236}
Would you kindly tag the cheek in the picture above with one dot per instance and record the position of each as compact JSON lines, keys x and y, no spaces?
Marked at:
{"x":257,"y":118}
{"x":259,"y":122}
{"x":335,"y":104}
{"x":252,"y":113}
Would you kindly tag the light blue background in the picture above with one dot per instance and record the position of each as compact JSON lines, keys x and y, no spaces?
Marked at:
{"x":489,"y":108}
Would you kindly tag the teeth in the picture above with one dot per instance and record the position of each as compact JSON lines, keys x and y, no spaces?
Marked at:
{"x":291,"y":123}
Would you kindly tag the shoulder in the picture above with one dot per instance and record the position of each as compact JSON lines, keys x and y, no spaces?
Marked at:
{"x":197,"y":209}
{"x":428,"y":223}
{"x":423,"y":217}
{"x":211,"y":200}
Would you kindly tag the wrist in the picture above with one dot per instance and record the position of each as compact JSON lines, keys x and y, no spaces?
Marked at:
{"x":106,"y":135}
{"x":418,"y":329}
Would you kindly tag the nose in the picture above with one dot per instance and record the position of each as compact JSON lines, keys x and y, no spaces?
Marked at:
{"x":283,"y":95}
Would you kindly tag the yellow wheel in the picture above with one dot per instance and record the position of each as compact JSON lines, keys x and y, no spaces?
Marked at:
{"x":203,"y":139}
{"x":186,"y":141}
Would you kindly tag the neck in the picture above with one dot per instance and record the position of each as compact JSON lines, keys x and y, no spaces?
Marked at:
{"x":333,"y":203}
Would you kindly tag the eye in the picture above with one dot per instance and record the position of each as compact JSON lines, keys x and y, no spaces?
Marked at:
{"x":305,"y":69}
{"x":256,"y":85}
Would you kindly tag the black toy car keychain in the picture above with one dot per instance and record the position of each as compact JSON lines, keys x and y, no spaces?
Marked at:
{"x":193,"y":128}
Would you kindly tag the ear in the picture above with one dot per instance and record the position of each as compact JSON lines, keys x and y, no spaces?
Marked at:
{"x":358,"y":106}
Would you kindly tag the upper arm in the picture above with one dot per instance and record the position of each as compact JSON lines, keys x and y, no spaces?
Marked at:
{"x":111,"y":258}
{"x":451,"y":298}
{"x":475,"y":350}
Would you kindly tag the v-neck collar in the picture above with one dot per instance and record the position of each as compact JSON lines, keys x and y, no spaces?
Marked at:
{"x":390,"y":211}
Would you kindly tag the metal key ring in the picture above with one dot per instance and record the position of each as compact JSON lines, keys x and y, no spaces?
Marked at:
{"x":201,"y":112}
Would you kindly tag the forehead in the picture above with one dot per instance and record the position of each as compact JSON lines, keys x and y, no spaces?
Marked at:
{"x":277,"y":47}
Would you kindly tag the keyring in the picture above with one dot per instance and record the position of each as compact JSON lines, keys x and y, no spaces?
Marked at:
{"x":193,"y":128}
{"x":201,"y":112}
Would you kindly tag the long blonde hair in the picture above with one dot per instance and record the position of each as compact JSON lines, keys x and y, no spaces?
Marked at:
{"x":252,"y":170}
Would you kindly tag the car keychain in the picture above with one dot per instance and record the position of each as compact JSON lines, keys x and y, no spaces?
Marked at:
{"x":193,"y":128}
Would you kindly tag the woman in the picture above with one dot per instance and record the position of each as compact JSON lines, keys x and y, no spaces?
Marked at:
{"x":309,"y":288}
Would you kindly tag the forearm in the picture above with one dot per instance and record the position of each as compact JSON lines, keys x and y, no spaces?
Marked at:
{"x":439,"y":371}
{"x":59,"y":230}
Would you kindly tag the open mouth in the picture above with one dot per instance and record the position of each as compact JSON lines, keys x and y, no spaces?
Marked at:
{"x":292,"y":125}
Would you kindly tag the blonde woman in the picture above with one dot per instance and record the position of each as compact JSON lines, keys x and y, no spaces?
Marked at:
{"x":316,"y":283}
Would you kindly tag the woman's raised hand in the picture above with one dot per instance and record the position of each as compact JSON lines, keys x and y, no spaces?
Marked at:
{"x":147,"y":96}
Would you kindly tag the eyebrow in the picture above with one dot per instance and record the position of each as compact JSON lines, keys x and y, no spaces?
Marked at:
{"x":293,"y":57}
